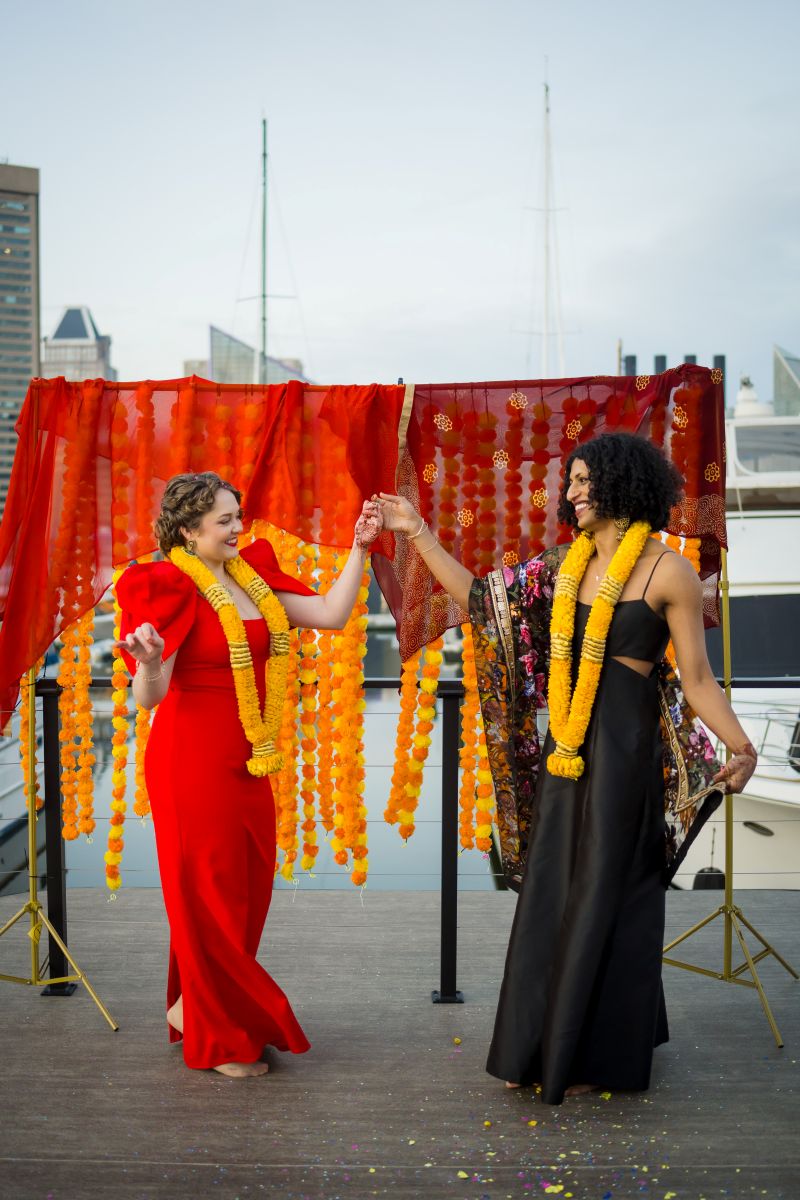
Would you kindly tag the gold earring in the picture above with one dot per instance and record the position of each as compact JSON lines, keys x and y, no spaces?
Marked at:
{"x":623,"y":524}
{"x":191,"y":547}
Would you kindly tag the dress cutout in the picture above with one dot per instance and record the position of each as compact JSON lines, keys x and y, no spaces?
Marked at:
{"x":214,"y":821}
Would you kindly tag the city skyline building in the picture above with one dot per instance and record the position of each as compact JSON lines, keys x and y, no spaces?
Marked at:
{"x":76,"y":349}
{"x":19,"y":302}
{"x":234,"y":361}
{"x":785,"y":382}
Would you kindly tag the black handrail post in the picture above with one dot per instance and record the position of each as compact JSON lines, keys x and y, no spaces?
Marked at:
{"x":54,"y":843}
{"x":448,"y":993}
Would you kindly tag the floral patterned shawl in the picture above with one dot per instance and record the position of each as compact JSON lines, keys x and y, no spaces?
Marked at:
{"x":510,"y":615}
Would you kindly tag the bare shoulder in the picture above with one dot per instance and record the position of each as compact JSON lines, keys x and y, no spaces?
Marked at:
{"x":675,"y":580}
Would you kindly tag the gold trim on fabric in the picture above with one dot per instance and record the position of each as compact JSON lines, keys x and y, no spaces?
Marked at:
{"x":675,"y":746}
{"x":685,"y":801}
{"x":405,"y":418}
{"x":502,"y":613}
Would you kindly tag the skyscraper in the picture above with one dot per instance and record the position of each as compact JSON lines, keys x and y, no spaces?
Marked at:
{"x":76,"y":349}
{"x":19,"y":302}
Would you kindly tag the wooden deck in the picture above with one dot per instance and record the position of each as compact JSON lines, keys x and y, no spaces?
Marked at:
{"x":386,"y":1103}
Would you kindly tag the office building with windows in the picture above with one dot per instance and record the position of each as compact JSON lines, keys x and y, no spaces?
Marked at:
{"x":76,"y":349}
{"x":19,"y":302}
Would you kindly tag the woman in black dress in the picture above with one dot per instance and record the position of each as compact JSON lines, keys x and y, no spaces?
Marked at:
{"x":581,"y":1004}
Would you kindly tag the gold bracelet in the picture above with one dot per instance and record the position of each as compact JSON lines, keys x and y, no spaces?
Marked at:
{"x":154,"y":678}
{"x":428,"y":549}
{"x":422,"y":526}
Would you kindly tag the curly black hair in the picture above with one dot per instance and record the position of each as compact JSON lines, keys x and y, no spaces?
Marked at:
{"x":628,"y":477}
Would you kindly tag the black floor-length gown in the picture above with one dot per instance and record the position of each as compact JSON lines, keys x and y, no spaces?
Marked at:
{"x":582,"y":1000}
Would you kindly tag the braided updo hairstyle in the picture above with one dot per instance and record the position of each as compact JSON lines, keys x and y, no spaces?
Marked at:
{"x":628,"y":477}
{"x":186,"y":500}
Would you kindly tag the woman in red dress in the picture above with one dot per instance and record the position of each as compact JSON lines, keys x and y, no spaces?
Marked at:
{"x":212,"y":803}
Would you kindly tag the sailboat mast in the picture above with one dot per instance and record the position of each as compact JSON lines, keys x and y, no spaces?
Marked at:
{"x":546,"y":206}
{"x":262,"y":360}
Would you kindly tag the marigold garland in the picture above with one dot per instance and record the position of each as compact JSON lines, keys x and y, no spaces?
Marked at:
{"x":349,"y":834}
{"x":570,"y":712}
{"x":84,"y":719}
{"x":119,"y":756}
{"x":66,"y":735}
{"x":324,"y":666}
{"x":261,"y":730}
{"x":395,"y":806}
{"x":27,"y":696}
{"x":141,"y":797}
{"x":426,"y":712}
{"x":468,"y":757}
{"x":484,"y":795}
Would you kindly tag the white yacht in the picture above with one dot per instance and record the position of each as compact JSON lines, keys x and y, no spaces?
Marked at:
{"x":763,"y":519}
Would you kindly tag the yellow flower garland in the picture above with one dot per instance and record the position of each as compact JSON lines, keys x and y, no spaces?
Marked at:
{"x":570,"y":712}
{"x":261,"y":730}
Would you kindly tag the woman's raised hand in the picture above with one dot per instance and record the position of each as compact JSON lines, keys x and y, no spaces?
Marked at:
{"x":399,"y":514}
{"x":369,"y":524}
{"x":144,"y":644}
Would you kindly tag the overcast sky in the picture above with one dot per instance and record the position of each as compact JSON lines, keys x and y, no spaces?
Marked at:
{"x":406,"y":165}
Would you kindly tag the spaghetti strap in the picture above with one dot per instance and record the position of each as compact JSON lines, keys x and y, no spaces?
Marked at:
{"x":652,"y":573}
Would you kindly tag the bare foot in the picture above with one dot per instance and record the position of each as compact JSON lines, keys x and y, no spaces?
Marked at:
{"x":236,"y":1070}
{"x":513,"y":1085}
{"x":175,"y":1015}
{"x":580,"y":1089}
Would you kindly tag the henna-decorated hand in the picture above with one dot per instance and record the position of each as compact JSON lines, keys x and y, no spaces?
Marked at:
{"x":369,"y":524}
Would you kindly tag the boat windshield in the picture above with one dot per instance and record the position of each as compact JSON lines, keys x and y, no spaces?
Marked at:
{"x":761,"y":448}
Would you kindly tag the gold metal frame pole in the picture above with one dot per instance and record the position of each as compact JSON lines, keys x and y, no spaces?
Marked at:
{"x":733,"y":918}
{"x":38,"y":917}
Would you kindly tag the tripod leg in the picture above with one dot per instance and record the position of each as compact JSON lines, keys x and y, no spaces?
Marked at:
{"x":56,"y":938}
{"x":13,"y":920}
{"x":695,"y":929}
{"x":757,"y":982}
{"x":770,"y":949}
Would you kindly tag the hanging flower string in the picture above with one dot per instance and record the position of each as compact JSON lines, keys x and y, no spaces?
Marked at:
{"x":119,"y":756}
{"x":84,"y":718}
{"x":395,"y":812}
{"x":27,"y":698}
{"x":426,"y":712}
{"x":570,"y":712}
{"x":468,"y":758}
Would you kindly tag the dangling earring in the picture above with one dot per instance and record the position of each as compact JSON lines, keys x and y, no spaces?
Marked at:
{"x":623,"y":524}
{"x":191,"y":547}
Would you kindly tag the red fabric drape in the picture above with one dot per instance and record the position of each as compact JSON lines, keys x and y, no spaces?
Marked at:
{"x":93,"y":459}
{"x":483,"y":462}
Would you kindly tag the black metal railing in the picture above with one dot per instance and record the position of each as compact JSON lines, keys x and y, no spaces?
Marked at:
{"x":449,"y":694}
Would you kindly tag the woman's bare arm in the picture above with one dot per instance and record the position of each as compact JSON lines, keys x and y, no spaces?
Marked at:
{"x":400,"y":516}
{"x":683,"y":609}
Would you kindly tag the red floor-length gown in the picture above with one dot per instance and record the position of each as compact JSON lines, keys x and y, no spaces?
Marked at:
{"x":214,"y":821}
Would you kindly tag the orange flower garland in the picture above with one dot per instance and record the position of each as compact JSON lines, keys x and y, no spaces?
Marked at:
{"x":484,"y":795}
{"x":324,"y":667}
{"x":119,"y":757}
{"x":261,"y":729}
{"x":426,"y":711}
{"x":288,"y":549}
{"x":28,"y":698}
{"x":66,"y":735}
{"x":571,"y":709}
{"x":396,"y":804}
{"x":488,"y":469}
{"x":141,"y":798}
{"x":348,"y":724}
{"x":84,"y":717}
{"x":470,"y":709}
{"x":143,"y":449}
{"x":512,"y":479}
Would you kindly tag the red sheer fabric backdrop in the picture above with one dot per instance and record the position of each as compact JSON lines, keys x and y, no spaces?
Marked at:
{"x":93,"y":459}
{"x":483,"y":463}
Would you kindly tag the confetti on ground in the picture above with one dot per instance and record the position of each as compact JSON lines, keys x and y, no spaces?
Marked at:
{"x":533,"y":1122}
{"x":487,"y":1124}
{"x":605,"y":1095}
{"x":463,"y":1175}
{"x":456,"y":1041}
